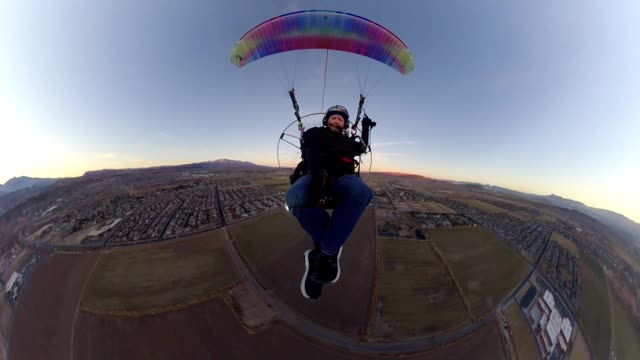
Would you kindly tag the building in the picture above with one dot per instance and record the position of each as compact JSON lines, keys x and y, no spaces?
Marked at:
{"x":15,"y":279}
{"x":553,"y":332}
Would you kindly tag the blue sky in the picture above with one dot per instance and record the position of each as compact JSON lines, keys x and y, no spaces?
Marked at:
{"x":538,"y":96}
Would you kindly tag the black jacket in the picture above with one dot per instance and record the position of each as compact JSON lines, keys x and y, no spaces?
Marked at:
{"x":328,"y":155}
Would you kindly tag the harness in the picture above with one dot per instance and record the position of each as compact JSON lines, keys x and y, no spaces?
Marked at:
{"x":367,"y":124}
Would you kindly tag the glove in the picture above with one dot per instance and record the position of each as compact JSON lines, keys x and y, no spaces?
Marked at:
{"x":318,"y":189}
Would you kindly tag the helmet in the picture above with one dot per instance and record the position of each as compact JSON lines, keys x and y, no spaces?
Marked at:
{"x":337,"y":110}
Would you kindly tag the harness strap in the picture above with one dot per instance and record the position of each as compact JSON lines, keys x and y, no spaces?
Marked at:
{"x":292,"y":95}
{"x":354,"y":128}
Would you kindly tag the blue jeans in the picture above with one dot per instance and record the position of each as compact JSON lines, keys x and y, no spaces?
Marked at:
{"x":351,"y":196}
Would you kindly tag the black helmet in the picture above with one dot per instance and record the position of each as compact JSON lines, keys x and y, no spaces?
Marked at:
{"x":337,"y":110}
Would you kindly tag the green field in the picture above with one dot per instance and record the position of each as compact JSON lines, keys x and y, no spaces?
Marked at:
{"x":546,"y":217}
{"x":595,"y":315}
{"x":565,"y":243}
{"x":417,"y":295}
{"x":283,"y":187}
{"x":430,"y":206}
{"x":523,"y":340}
{"x":481,"y":205}
{"x":486,"y":268}
{"x":143,"y":279}
{"x":520,"y":215}
{"x":262,"y":240}
{"x":280,"y":183}
{"x":627,"y":338}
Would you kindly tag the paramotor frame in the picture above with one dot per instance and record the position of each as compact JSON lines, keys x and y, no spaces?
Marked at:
{"x":288,"y":148}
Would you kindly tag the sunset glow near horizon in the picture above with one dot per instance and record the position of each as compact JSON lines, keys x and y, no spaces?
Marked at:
{"x":540,"y":98}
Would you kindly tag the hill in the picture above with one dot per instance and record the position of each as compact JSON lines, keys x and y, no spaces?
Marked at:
{"x":23,"y":182}
{"x":625,"y":228}
{"x":220,"y":164}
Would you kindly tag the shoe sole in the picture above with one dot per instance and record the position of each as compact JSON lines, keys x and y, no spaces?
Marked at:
{"x":306,"y":271}
{"x":338,"y":276}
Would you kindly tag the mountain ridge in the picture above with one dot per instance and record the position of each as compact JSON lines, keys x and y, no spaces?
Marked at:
{"x":22,"y":182}
{"x":626,"y":228}
{"x":219,"y":164}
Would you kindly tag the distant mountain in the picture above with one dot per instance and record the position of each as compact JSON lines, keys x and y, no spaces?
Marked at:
{"x":226,"y":163}
{"x":220,"y":164}
{"x":23,"y":182}
{"x":10,"y":200}
{"x":626,"y":228}
{"x":399,"y":174}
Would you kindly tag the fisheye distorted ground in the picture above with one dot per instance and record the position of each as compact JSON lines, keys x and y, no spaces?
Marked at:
{"x":196,"y":263}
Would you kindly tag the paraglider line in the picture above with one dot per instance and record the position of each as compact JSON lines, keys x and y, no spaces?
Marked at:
{"x":366,"y":77}
{"x":295,"y":70}
{"x":359,"y":80}
{"x":326,"y":62}
{"x":285,"y":74}
{"x":294,"y":145}
{"x":375,"y":85}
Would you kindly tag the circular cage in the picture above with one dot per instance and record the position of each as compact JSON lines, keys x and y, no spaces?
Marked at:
{"x":288,"y":150}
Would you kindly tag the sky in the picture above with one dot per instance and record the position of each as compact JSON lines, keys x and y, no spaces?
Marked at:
{"x":536,"y":96}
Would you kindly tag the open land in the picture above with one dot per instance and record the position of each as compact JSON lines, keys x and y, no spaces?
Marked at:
{"x":520,"y":215}
{"x":429,"y":206}
{"x":525,"y":343}
{"x":566,"y":243}
{"x":254,"y":313}
{"x":209,"y":330}
{"x":151,"y":277}
{"x":259,"y":250}
{"x":594,"y":315}
{"x":279,"y":264}
{"x":45,"y":315}
{"x":496,"y":205}
{"x":418,"y":296}
{"x":280,"y":182}
{"x":484,"y":266}
{"x":280,"y":268}
{"x":579,"y":351}
{"x":626,"y":336}
{"x":483,"y":206}
{"x":78,"y":236}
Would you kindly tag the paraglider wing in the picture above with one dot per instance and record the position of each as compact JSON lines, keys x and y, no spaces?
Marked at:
{"x":323,"y":29}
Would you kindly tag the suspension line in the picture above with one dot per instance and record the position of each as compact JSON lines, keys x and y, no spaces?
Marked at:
{"x":324,"y":85}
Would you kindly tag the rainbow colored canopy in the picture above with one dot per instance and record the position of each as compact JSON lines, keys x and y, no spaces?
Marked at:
{"x":323,"y":29}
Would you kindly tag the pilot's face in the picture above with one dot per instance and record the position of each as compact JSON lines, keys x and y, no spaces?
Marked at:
{"x":336,"y":123}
